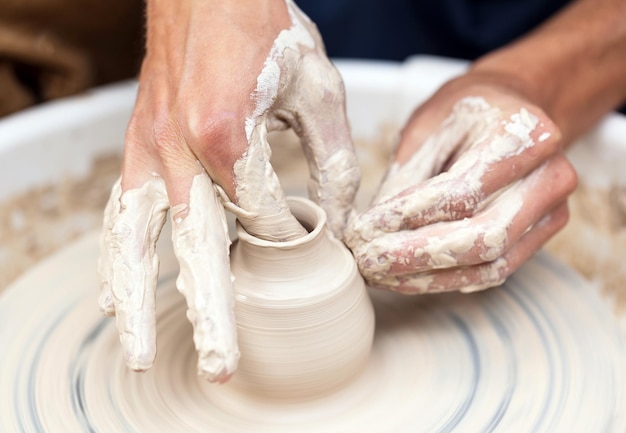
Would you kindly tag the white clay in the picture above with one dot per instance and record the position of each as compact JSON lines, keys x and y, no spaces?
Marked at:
{"x":129,"y":266}
{"x":129,"y":269}
{"x":305,"y":321}
{"x":298,"y":87}
{"x":543,"y":353}
{"x":201,"y":245}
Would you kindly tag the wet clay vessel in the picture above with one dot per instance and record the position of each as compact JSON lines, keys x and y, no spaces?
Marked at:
{"x":305,"y":321}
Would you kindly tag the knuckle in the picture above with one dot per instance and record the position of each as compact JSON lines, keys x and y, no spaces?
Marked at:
{"x":217,"y":135}
{"x":214,"y":126}
{"x":322,"y":78}
{"x":373,"y":266}
{"x":166,"y":135}
{"x":494,"y":242}
{"x":466,"y":204}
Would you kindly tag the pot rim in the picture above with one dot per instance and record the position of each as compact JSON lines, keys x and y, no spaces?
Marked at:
{"x":305,"y":210}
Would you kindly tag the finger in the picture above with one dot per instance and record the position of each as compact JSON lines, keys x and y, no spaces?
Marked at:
{"x":422,"y":153}
{"x":201,"y":242}
{"x":129,"y":266}
{"x":494,"y":161}
{"x":479,"y":277}
{"x":136,"y":169}
{"x":319,"y":119}
{"x":258,"y":200}
{"x":105,"y":260}
{"x":480,"y":239}
{"x":261,"y":205}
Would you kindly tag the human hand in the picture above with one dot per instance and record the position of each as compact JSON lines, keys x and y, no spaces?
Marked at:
{"x":478,"y":185}
{"x":217,"y":77}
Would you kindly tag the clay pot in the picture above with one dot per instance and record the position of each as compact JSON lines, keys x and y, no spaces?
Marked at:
{"x":305,"y":320}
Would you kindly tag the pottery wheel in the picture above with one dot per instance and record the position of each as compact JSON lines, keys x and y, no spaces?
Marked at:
{"x":541,"y":354}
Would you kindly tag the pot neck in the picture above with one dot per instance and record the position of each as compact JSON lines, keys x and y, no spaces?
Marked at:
{"x":299,"y":256}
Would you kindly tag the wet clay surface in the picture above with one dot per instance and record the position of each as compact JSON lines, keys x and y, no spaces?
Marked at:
{"x":39,"y":223}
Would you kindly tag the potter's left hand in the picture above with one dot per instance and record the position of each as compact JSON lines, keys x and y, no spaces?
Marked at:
{"x":479,"y":184}
{"x":217,"y":77}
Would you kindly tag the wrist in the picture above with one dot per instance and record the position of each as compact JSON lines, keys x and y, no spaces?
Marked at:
{"x":573,"y":67}
{"x":174,"y":20}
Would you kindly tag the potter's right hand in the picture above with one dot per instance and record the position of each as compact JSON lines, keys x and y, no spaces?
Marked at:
{"x":217,"y":76}
{"x":479,"y":184}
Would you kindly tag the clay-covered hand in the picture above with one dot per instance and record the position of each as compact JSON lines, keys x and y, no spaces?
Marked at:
{"x":479,"y":183}
{"x":217,"y":77}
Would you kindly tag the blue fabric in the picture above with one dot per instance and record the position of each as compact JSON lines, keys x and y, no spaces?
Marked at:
{"x":396,"y":29}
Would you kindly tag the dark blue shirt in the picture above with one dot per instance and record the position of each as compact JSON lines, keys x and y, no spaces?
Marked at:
{"x":396,"y":29}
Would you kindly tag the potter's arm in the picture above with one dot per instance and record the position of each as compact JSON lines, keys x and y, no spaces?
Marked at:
{"x":197,"y":142}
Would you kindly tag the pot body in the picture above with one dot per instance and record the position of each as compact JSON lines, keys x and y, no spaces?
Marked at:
{"x":305,"y":320}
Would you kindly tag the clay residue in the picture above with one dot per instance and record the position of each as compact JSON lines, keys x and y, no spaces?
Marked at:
{"x":374,"y":157}
{"x":36,"y":224}
{"x":594,"y":241}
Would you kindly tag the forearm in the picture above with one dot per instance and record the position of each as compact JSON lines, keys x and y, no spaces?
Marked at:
{"x":574,"y":66}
